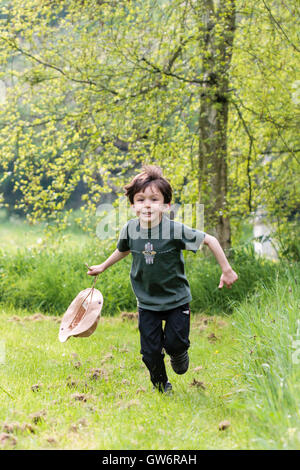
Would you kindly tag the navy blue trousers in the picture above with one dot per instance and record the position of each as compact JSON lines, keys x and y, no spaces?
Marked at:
{"x":156,"y":338}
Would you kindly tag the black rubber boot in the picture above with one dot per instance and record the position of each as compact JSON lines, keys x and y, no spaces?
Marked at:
{"x":168,"y":388}
{"x":163,"y":388}
{"x":180,"y":362}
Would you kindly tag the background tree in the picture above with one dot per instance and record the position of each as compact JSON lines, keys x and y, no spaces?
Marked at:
{"x":205,"y":89}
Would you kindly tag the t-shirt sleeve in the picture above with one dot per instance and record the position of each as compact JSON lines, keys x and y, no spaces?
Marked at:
{"x":123,"y":242}
{"x":191,"y":238}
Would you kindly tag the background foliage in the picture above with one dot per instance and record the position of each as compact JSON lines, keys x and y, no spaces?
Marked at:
{"x":93,"y":89}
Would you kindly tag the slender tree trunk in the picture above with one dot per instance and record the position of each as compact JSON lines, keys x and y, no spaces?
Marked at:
{"x":213,"y":117}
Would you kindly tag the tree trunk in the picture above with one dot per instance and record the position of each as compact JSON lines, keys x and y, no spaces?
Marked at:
{"x":218,"y":29}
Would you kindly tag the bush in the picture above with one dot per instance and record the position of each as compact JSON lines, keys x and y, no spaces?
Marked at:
{"x":204,"y":276}
{"x":288,"y":240}
{"x":48,"y":278}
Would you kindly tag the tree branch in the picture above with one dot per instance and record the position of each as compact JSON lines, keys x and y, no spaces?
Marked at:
{"x":170,"y":74}
{"x":56,"y":68}
{"x":280,"y":27}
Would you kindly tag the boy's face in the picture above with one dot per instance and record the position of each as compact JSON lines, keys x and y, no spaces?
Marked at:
{"x":149,"y":206}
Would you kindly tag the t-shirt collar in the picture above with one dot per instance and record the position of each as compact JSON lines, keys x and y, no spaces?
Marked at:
{"x":153,"y":231}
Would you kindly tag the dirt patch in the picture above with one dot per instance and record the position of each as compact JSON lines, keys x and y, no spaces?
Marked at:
{"x":129,"y":316}
{"x":202,"y":320}
{"x":38,"y":417}
{"x":201,"y":323}
{"x":212,"y":338}
{"x":51,"y":440}
{"x":7,"y":439}
{"x":224,"y":425}
{"x":71,"y":383}
{"x":35,"y":317}
{"x":76,"y":364}
{"x":36,"y":387}
{"x":14,"y":427}
{"x":14,"y":318}
{"x":107,"y":357}
{"x":97,"y":373}
{"x":198,"y":384}
{"x":82,"y":397}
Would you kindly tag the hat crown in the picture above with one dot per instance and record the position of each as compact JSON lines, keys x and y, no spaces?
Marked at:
{"x":83,"y":314}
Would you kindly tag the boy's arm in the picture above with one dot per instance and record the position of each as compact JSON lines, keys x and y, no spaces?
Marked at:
{"x":228,"y":276}
{"x":113,"y":258}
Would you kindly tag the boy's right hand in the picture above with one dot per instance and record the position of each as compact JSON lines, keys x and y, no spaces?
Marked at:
{"x":95,"y":270}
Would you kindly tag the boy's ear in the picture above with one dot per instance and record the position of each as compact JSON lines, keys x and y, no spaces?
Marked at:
{"x":164,"y":207}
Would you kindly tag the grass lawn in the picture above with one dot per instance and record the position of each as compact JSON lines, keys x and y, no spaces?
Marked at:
{"x":95,"y":393}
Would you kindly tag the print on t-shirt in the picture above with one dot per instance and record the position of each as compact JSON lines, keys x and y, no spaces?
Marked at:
{"x":149,"y":253}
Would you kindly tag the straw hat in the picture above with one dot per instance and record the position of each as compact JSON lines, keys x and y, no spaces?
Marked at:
{"x":83,"y":314}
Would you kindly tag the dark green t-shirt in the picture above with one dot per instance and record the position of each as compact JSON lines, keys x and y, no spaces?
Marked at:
{"x":157,"y":272}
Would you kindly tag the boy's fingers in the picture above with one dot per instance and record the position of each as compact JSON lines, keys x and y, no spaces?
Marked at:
{"x":91,"y":270}
{"x":221,"y":284}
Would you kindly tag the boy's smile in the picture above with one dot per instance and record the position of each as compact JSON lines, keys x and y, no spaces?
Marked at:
{"x":149,"y":206}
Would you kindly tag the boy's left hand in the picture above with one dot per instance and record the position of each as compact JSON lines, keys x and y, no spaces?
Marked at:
{"x":228,"y":278}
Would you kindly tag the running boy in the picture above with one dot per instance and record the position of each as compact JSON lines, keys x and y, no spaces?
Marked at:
{"x":157,"y":273}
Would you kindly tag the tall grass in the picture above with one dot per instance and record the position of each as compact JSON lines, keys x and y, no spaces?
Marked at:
{"x":47,"y":277}
{"x":267,"y":325}
{"x":204,"y":273}
{"x":45,"y":274}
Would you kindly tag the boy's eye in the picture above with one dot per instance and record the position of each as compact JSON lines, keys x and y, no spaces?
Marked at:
{"x":142,"y":199}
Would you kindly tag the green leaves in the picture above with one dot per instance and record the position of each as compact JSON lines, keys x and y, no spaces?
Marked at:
{"x":94,"y":89}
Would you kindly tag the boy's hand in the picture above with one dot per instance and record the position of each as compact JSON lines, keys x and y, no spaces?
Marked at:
{"x":228,"y":278}
{"x":95,"y":270}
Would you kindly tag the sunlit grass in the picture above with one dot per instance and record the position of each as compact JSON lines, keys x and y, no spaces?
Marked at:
{"x":268,"y":328}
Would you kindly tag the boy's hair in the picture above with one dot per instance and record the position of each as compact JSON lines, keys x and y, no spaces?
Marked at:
{"x":150,"y":174}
